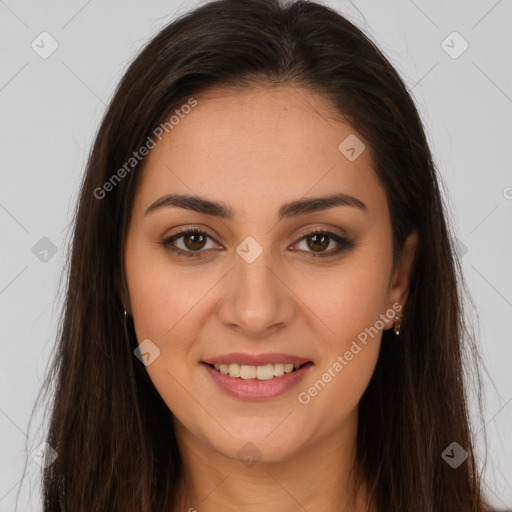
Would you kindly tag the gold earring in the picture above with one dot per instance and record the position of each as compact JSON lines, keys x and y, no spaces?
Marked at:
{"x":398,"y":324}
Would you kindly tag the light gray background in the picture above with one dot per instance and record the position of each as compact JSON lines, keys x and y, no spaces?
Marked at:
{"x":51,"y":108}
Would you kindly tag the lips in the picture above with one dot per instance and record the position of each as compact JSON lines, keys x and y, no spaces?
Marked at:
{"x":255,"y":389}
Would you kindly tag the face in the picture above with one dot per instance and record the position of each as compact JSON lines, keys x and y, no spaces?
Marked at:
{"x":270,"y":280}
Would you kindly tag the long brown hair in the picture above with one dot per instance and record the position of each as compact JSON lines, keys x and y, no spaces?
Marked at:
{"x":112,"y":431}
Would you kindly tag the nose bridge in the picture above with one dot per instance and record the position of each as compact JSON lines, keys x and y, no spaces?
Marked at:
{"x":256,"y":299}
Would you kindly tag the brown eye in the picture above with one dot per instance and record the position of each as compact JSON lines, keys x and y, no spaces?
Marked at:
{"x":194,"y":241}
{"x":318,"y":242}
{"x":188,"y":243}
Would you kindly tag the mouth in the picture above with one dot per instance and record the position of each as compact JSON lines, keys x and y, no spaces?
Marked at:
{"x":256,"y":383}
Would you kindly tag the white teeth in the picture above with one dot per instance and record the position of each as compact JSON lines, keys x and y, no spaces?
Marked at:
{"x":263,"y":372}
{"x":278,"y":370}
{"x":247,"y":372}
{"x":234,"y":370}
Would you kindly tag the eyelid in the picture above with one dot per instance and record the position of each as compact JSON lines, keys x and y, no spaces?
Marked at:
{"x":311,"y":230}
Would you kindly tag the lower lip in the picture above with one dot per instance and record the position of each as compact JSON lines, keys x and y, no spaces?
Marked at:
{"x":254,"y":389}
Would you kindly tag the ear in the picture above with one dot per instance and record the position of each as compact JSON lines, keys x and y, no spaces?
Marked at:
{"x":401,"y":278}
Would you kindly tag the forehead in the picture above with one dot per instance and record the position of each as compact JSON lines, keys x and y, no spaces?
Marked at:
{"x":267,"y":143}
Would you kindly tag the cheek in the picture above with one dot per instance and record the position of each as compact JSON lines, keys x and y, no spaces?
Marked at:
{"x":331,"y":397}
{"x":165,"y":299}
{"x":349,"y":299}
{"x":351,"y":310}
{"x":168,"y":309}
{"x":348,"y":357}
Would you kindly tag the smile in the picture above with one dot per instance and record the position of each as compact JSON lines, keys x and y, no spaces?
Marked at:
{"x":254,"y":383}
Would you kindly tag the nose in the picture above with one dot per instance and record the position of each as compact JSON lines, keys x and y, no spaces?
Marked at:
{"x":256,"y":300}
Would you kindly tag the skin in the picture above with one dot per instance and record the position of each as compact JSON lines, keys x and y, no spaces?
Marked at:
{"x":255,"y":149}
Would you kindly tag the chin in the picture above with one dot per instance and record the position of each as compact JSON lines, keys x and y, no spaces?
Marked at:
{"x":252,"y":449}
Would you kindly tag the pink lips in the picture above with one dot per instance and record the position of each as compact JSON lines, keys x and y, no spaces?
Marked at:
{"x":254,"y":389}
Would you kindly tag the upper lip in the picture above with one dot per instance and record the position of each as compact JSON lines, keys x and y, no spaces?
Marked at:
{"x":255,"y":359}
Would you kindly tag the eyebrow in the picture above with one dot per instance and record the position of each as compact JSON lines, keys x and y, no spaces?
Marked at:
{"x":287,"y":210}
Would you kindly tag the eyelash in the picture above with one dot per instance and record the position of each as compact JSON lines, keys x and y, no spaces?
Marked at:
{"x":344,"y":243}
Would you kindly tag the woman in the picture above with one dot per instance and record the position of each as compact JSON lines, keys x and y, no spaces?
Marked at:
{"x":263,"y":307}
